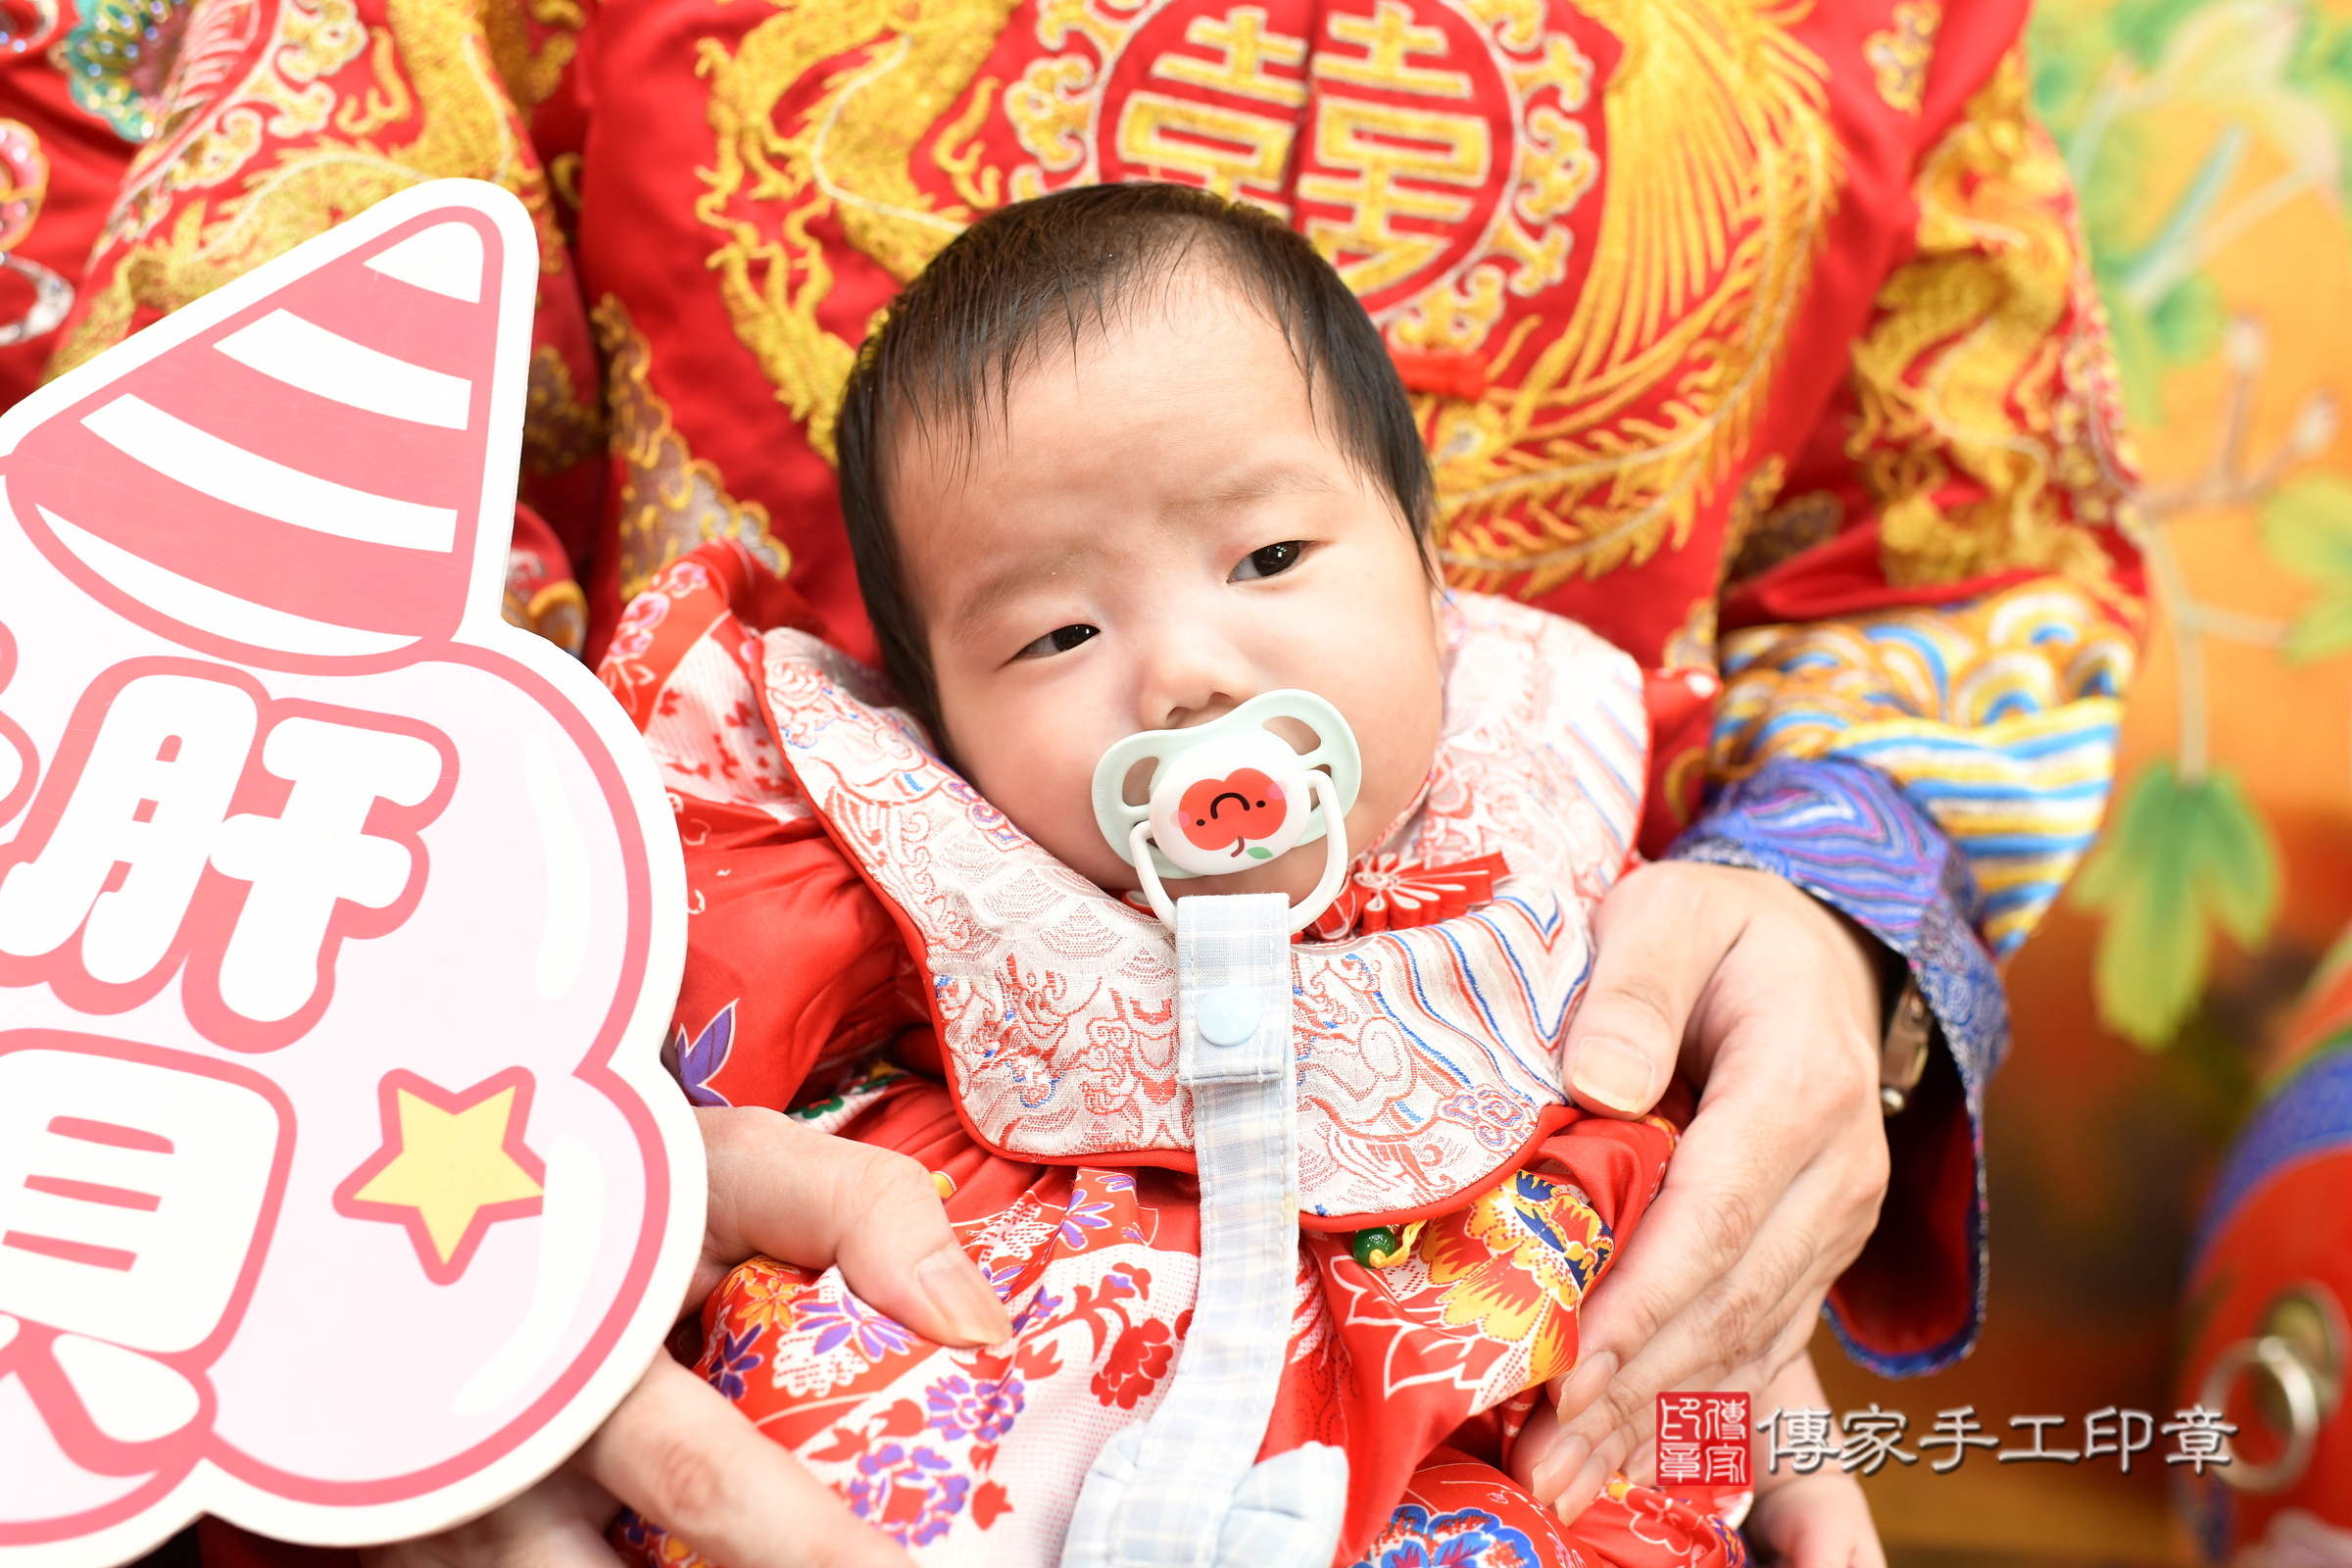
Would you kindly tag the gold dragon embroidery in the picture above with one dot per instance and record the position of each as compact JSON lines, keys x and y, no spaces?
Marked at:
{"x":531,"y":75}
{"x":670,"y":499}
{"x":848,"y":160}
{"x":560,"y":429}
{"x":1969,"y":379}
{"x":433,"y":62}
{"x":1722,"y":170}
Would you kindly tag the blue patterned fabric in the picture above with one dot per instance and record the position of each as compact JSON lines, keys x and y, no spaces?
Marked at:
{"x":1466,"y":1537}
{"x":2305,"y":1117}
{"x":1850,"y":836}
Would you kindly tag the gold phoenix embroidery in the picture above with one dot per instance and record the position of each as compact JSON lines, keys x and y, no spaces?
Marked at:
{"x":559,"y":430}
{"x":1722,"y":169}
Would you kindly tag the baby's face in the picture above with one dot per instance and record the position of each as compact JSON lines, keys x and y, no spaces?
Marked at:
{"x":1156,"y":533}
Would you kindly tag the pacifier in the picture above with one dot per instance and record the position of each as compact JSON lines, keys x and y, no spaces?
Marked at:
{"x":1231,"y":794}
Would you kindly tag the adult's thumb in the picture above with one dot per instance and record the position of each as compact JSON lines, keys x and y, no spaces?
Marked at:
{"x":1618,"y":1066}
{"x":1652,"y":956}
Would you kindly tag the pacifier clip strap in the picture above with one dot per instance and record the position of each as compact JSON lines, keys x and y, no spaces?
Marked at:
{"x":1183,"y":1490}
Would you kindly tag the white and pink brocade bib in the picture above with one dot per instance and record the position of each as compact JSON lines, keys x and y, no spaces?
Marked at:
{"x":1428,"y":1057}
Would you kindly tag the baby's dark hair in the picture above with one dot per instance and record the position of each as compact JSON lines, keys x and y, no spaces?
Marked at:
{"x":1035,"y":276}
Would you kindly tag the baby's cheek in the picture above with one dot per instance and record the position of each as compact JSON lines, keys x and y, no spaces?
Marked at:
{"x":1402,"y":713}
{"x":1043,"y":781}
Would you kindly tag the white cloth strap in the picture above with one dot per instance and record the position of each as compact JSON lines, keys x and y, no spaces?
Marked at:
{"x":1180,"y":1490}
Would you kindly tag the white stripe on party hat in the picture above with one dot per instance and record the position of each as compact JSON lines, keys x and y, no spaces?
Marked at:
{"x":315,"y":462}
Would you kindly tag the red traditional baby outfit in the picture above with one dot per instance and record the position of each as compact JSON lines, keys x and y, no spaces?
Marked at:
{"x":849,"y":891}
{"x":1766,"y":318}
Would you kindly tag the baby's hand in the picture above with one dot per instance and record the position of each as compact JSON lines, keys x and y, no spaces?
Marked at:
{"x":1815,"y":1521}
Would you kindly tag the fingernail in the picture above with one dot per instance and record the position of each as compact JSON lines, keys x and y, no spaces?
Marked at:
{"x":1584,"y":1488}
{"x":967,"y":1306}
{"x":1583,"y":1385}
{"x":1566,"y":1459}
{"x":1611,"y":1073}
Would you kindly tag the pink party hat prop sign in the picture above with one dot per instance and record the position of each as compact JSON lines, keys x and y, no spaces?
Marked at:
{"x":341,"y":1191}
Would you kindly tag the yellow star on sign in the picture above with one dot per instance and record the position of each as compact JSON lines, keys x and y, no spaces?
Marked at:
{"x":452,"y":1163}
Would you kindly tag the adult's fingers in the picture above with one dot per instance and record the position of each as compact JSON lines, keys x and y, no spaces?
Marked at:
{"x":1657,"y":939}
{"x":779,"y":1189}
{"x":1564,"y":1469}
{"x":678,"y":1452}
{"x":1718,"y":1284}
{"x":1770,"y":1192}
{"x":1738,"y":1335}
{"x":1784,"y":1027}
{"x":1734,"y":1333}
{"x":1751,"y":1205}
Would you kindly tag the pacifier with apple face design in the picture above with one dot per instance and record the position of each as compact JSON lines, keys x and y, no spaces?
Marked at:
{"x":1231,"y":794}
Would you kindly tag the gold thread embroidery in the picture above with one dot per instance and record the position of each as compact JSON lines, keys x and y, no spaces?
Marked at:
{"x":1389,"y":40}
{"x":1518,"y":25}
{"x":1757,"y":493}
{"x":1556,"y":169}
{"x":1556,"y":166}
{"x":1724,"y":168}
{"x":670,"y":499}
{"x":1376,"y":145}
{"x":1442,"y":147}
{"x":1239,"y":155}
{"x":1985,"y":436}
{"x":1444,"y":142}
{"x":558,"y":613}
{"x":1692,"y":645}
{"x":1048,"y":108}
{"x":1900,"y":56}
{"x":559,"y":431}
{"x":564,"y":172}
{"x":957,"y":152}
{"x":464,"y":126}
{"x":849,"y":159}
{"x":531,"y":75}
{"x":1247,"y":48}
{"x":387,"y":101}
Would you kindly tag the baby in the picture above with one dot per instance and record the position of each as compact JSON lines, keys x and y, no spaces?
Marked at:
{"x":1120,"y":461}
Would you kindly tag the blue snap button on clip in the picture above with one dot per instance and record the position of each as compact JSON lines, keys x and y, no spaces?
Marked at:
{"x":1227,"y":1015}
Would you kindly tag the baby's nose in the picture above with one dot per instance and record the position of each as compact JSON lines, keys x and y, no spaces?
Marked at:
{"x":1191,"y":675}
{"x":1216,"y":705}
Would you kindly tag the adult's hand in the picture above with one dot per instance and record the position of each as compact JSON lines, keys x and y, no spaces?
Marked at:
{"x":1769,"y":1002}
{"x":676,"y":1451}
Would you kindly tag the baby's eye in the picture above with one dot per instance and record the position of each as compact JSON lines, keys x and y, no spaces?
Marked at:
{"x":1271,"y":562}
{"x":1060,"y":640}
